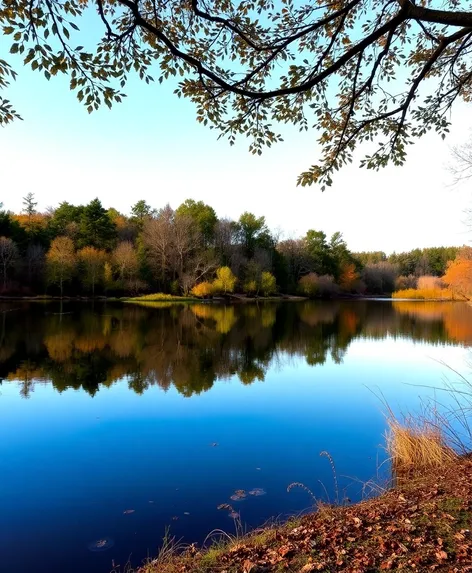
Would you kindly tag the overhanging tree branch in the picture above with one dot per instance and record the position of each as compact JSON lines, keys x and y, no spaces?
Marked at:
{"x":249,"y":66}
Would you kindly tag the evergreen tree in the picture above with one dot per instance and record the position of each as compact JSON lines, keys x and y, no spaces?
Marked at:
{"x":96,"y":227}
{"x":29,"y":204}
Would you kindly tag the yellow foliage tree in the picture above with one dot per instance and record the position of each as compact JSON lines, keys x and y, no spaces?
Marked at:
{"x":225,"y":280}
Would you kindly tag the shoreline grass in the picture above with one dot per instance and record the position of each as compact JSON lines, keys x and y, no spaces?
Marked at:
{"x":417,"y":446}
{"x":161,"y":297}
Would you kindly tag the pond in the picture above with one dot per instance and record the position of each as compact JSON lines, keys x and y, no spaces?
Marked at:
{"x":119,"y":422}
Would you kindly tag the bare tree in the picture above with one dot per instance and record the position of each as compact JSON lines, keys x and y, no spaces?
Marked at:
{"x":224,"y":238}
{"x":158,"y":237}
{"x":197,"y":268}
{"x":126,"y":261}
{"x":461,"y":167}
{"x":187,"y":239}
{"x":8,"y":257}
{"x":295,"y":253}
{"x":380,"y":277}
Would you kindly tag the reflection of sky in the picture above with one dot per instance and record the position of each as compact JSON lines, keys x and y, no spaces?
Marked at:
{"x":71,"y":464}
{"x":394,"y":367}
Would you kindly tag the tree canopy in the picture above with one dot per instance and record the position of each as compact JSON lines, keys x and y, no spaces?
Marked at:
{"x":386,"y":71}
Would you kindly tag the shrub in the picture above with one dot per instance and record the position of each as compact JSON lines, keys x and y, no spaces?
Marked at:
{"x":326,"y":286}
{"x":202,"y":290}
{"x":268,"y":284}
{"x":250,"y":287}
{"x":406,"y":282}
{"x":308,"y":285}
{"x":429,"y":283}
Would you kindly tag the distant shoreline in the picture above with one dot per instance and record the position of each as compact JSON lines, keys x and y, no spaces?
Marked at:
{"x":233,"y":299}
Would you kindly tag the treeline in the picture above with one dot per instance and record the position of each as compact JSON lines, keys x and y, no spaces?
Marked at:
{"x":454,"y":284}
{"x":87,"y":249}
{"x":402,"y":270}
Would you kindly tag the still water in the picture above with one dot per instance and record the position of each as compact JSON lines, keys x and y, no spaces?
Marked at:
{"x":118,"y":421}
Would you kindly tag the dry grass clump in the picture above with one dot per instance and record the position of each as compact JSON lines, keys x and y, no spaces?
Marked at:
{"x":417,"y":446}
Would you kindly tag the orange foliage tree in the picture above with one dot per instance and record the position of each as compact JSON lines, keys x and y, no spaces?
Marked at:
{"x":34,"y":224}
{"x":349,"y":277}
{"x":459,"y":273}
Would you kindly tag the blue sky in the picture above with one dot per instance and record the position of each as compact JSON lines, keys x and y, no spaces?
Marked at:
{"x":151,"y":147}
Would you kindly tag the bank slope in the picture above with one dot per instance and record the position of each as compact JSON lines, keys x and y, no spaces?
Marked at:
{"x":422,"y":525}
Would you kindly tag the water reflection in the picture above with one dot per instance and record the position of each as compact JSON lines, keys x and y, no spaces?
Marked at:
{"x":191,"y":347}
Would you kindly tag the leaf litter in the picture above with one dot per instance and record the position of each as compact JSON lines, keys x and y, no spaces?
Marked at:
{"x":422,"y":525}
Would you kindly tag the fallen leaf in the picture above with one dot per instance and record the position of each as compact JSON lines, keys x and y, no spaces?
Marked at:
{"x":285,"y":550}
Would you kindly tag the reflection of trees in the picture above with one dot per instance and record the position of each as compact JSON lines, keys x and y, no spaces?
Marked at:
{"x":26,"y":374}
{"x":224,"y":317}
{"x":191,"y":347}
{"x":455,"y":320}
